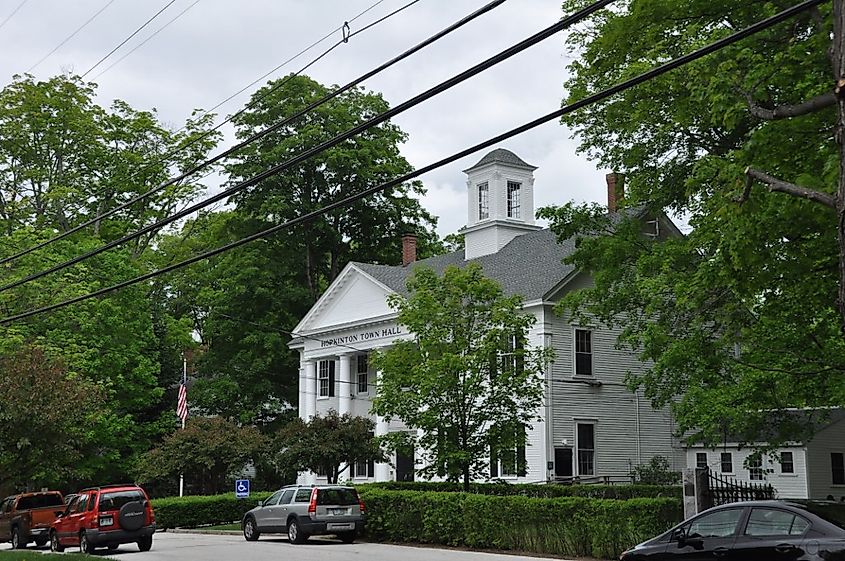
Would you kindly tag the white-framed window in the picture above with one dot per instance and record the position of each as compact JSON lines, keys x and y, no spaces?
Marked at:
{"x":325,"y":375}
{"x":483,"y":201}
{"x":585,"y":444}
{"x":514,"y":203}
{"x":727,"y":462}
{"x":364,"y":469}
{"x":787,"y":462}
{"x":509,"y":461}
{"x":701,"y":459}
{"x":755,"y":468}
{"x":583,"y":352}
{"x":363,"y":371}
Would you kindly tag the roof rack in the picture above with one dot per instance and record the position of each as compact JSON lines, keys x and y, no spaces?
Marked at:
{"x":109,"y":486}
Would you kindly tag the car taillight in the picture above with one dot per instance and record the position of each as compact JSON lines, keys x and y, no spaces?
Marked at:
{"x":361,"y":505}
{"x":312,"y":506}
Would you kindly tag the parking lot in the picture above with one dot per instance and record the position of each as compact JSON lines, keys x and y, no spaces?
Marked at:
{"x":170,"y":546}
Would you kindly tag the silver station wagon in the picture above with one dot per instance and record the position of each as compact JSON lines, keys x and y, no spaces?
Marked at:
{"x":304,"y":511}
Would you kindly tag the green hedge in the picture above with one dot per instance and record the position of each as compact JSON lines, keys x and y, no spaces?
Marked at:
{"x":561,"y":526}
{"x":536,"y":490}
{"x":573,"y":526}
{"x":190,"y":512}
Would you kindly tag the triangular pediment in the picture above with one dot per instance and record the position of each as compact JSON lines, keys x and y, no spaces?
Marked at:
{"x":353,"y":297}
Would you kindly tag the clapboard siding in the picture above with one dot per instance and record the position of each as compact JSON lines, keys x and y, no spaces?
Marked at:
{"x":819,"y":473}
{"x":622,"y":441}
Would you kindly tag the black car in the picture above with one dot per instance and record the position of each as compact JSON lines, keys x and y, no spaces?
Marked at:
{"x":795,"y":530}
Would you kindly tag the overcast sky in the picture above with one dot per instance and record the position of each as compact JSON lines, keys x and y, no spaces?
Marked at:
{"x":219,"y":46}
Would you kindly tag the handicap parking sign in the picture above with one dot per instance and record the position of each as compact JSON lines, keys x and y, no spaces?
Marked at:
{"x":242,"y":488}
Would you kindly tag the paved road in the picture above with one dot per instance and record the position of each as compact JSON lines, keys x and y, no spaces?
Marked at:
{"x":202,"y":547}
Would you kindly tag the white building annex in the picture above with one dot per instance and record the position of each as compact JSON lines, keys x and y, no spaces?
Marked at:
{"x":592,"y":426}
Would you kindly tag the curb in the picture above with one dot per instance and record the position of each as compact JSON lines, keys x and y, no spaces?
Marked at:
{"x":201,"y":531}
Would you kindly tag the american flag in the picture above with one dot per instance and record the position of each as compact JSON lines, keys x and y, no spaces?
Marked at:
{"x":182,"y":403}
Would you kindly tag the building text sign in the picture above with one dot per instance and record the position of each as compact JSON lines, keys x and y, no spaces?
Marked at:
{"x":362,"y":336}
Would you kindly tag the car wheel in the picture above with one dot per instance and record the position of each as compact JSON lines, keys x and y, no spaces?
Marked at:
{"x":16,"y":539}
{"x":55,"y":546}
{"x":84,"y":545}
{"x":145,"y":544}
{"x":295,"y":533}
{"x":251,"y":532}
{"x":347,"y":537}
{"x":113,"y":546}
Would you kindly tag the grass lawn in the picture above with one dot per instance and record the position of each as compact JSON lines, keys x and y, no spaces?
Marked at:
{"x":38,"y":556}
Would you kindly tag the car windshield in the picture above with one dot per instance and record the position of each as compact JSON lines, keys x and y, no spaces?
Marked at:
{"x":337,"y":496}
{"x":115,"y":500}
{"x":40,"y":501}
{"x":828,"y":511}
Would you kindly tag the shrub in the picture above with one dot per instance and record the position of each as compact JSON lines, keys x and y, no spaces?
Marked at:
{"x":190,"y":512}
{"x":656,"y":472}
{"x":534,"y":490}
{"x":558,"y":526}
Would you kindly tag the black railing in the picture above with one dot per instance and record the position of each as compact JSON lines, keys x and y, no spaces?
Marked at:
{"x":723,"y":489}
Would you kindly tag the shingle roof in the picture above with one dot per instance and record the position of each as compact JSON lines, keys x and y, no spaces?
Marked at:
{"x":530,"y":265}
{"x":502,"y":156}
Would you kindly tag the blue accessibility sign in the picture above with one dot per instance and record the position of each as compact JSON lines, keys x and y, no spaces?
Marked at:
{"x":242,"y":488}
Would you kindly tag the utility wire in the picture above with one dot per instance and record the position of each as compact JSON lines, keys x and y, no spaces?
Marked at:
{"x":260,"y":134}
{"x":133,"y":34}
{"x":585,"y":102}
{"x":71,"y":36}
{"x":302,"y":156}
{"x":145,"y":41}
{"x":10,"y":16}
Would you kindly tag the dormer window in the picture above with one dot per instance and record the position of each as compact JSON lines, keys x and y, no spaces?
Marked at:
{"x":483,"y":201}
{"x":513,"y":199}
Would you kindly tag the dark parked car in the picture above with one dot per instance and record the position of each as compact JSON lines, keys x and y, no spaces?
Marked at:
{"x":795,"y":530}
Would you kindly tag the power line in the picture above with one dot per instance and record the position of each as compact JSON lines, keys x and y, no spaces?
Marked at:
{"x":10,"y":16}
{"x":133,"y":34}
{"x":366,"y":125}
{"x":557,"y":114}
{"x":145,"y":41}
{"x":71,"y":36}
{"x":260,"y":134}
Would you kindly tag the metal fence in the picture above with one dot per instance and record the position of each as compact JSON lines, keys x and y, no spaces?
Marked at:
{"x":723,"y":489}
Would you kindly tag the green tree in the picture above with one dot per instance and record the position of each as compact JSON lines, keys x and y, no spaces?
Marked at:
{"x":210,"y":452}
{"x":466,"y":379}
{"x":47,"y":420}
{"x":63,"y":158}
{"x":329,"y":444}
{"x":739,"y":318}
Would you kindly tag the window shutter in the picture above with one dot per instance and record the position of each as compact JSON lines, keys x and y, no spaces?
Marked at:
{"x":521,"y":462}
{"x":494,"y":463}
{"x":371,"y":468}
{"x":331,"y":378}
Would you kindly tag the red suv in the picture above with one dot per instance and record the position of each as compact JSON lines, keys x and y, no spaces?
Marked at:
{"x":105,"y":517}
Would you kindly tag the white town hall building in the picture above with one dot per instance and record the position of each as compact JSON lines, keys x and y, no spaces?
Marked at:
{"x":591,"y":424}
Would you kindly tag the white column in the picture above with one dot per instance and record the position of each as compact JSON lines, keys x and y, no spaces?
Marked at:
{"x":344,"y":389}
{"x":382,"y":471}
{"x":303,"y":385}
{"x":311,"y":387}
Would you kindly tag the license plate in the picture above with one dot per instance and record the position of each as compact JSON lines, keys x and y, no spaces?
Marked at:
{"x":106,"y":521}
{"x":340,"y":526}
{"x":338,"y":511}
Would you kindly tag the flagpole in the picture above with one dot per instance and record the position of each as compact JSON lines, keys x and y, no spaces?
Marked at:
{"x":184,"y":377}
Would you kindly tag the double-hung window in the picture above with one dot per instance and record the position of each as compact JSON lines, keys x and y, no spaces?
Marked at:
{"x":586,"y":443}
{"x":787,"y":463}
{"x":483,"y":201}
{"x":325,"y":375}
{"x":701,"y":459}
{"x":363,"y":374}
{"x":509,"y":460}
{"x":755,"y":468}
{"x":727,"y":462}
{"x":837,"y":468}
{"x":514,"y":203}
{"x":583,"y":352}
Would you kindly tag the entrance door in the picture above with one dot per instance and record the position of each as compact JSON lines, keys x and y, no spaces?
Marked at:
{"x":405,"y":464}
{"x":563,"y":462}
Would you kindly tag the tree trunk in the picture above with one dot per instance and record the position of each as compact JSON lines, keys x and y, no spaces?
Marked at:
{"x":466,"y":478}
{"x":839,"y":75}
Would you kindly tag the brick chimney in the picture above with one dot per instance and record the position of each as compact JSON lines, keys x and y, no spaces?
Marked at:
{"x":409,"y":248}
{"x":615,"y":190}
